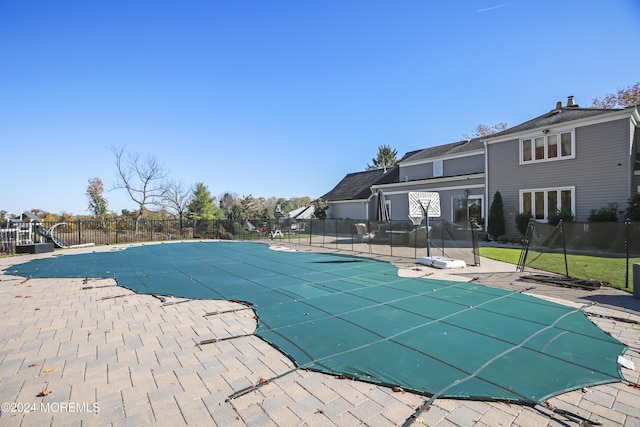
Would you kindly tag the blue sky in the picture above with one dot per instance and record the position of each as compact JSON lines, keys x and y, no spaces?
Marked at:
{"x":280,"y":98}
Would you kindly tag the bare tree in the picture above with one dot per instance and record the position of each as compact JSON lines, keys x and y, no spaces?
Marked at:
{"x":227,"y":201}
{"x":176,"y":198}
{"x":141,"y":178}
{"x":485,"y":130}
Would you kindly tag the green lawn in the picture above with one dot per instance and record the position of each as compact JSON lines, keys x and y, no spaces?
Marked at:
{"x":610,"y":270}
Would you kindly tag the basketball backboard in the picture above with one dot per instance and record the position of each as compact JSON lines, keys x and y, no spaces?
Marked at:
{"x":421,"y":202}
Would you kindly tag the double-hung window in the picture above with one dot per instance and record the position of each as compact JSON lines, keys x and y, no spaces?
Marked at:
{"x":544,"y":202}
{"x":550,"y":146}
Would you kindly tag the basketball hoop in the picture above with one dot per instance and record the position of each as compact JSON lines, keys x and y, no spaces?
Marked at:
{"x":427,"y":204}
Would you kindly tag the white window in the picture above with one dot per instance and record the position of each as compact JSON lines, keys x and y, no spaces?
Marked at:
{"x":550,"y":146}
{"x":543,"y":202}
{"x":437,"y":168}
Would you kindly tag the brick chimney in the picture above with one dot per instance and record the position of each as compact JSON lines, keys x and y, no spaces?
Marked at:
{"x":558,"y":105}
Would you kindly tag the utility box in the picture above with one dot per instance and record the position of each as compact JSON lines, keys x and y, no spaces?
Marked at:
{"x":636,"y":280}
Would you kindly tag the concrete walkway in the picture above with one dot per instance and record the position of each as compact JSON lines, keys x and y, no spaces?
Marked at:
{"x":94,"y":354}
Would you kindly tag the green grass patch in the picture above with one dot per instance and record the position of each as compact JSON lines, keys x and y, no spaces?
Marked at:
{"x":609,"y":270}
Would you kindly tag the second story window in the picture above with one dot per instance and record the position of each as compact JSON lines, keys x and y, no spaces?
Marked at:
{"x":551,"y":146}
{"x":437,"y":168}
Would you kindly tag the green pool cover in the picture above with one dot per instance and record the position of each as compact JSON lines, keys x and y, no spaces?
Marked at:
{"x":355,"y":317}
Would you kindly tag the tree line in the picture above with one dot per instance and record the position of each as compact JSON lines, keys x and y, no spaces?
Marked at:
{"x":155,"y":195}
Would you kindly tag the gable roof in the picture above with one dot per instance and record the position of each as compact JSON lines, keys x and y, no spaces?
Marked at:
{"x":356,"y":185}
{"x":554,"y":117}
{"x":445,"y":150}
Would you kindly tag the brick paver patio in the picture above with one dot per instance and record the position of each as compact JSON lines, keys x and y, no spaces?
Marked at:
{"x":79,"y":352}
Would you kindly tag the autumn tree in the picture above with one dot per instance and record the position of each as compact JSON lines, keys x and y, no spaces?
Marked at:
{"x":320,"y":208}
{"x":97,"y":202}
{"x":386,"y":158}
{"x":624,"y":97}
{"x":142,"y":178}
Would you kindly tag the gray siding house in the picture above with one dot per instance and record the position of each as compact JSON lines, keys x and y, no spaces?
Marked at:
{"x":455,"y":171}
{"x":570,"y":158}
{"x":351,"y":198}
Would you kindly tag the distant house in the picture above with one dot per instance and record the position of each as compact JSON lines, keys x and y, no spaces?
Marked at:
{"x":570,"y":158}
{"x":305,"y":212}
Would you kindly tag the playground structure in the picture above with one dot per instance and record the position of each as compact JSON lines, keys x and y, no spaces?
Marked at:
{"x":27,"y":234}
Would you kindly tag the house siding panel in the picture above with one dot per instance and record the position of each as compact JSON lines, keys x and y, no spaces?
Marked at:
{"x":602,"y":152}
{"x":350,"y":210}
{"x":597,"y":172}
{"x":451,"y":167}
{"x":464,"y":165}
{"x":416,"y":172}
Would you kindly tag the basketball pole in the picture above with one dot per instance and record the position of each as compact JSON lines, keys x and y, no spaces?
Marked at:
{"x":426,"y":215}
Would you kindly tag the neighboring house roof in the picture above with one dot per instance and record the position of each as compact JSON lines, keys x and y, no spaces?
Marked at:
{"x":554,"y":117}
{"x":445,"y":150}
{"x":356,"y":185}
{"x":29,"y":215}
{"x":304,"y":212}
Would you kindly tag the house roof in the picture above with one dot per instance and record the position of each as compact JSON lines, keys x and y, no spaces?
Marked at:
{"x":304,"y":212}
{"x":554,"y":117}
{"x":356,"y":185}
{"x":445,"y":150}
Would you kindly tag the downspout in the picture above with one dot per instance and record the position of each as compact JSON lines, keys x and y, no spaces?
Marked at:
{"x":485,"y":208}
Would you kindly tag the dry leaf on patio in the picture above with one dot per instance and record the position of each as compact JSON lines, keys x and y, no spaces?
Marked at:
{"x":48,"y":371}
{"x":33,"y":364}
{"x":45,"y":391}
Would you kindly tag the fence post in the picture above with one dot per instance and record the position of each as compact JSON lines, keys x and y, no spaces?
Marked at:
{"x":636,"y":280}
{"x":564,"y":249}
{"x":627,"y":222}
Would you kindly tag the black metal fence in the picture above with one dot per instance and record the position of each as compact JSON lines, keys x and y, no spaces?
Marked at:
{"x":601,"y":251}
{"x":393,"y":238}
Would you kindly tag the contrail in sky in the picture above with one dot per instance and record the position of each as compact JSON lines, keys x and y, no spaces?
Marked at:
{"x":486,"y":9}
